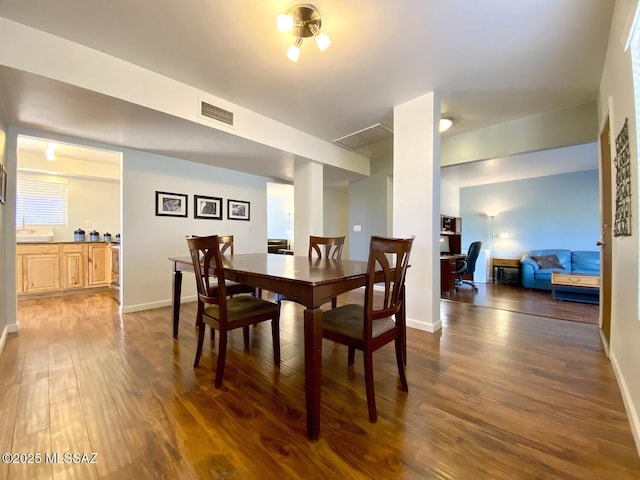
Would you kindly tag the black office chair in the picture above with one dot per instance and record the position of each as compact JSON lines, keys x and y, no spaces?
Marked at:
{"x":468,"y":266}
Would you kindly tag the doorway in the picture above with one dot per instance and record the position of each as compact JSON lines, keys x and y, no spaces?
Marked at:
{"x":73,"y":194}
{"x":606,"y":226}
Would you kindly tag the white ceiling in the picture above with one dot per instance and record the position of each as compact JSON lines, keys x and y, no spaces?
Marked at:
{"x":491,"y":61}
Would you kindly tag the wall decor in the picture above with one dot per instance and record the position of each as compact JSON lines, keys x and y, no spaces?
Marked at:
{"x":171,"y":204}
{"x":3,"y":184}
{"x":207,"y":207}
{"x":622,"y":222}
{"x":237,"y":210}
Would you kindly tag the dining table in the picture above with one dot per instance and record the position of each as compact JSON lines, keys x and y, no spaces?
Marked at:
{"x":310,"y":282}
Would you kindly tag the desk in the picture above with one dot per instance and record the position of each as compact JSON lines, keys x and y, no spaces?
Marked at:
{"x":448,"y":267}
{"x":310,"y":282}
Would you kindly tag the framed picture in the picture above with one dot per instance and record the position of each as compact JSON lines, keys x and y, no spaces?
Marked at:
{"x":171,"y":204}
{"x":3,"y":184}
{"x":237,"y":210}
{"x":207,"y":207}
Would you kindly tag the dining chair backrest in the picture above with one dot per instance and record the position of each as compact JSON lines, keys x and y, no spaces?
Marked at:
{"x":207,"y":260}
{"x":332,"y":247}
{"x":226,"y":244}
{"x":389,"y":258}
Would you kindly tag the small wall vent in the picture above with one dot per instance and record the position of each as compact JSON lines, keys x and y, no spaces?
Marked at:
{"x":216,"y":113}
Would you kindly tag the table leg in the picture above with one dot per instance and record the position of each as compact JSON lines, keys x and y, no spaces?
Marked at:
{"x":177,"y":288}
{"x":313,"y":369}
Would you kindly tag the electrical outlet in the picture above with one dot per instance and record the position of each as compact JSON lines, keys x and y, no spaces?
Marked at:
{"x":88,"y":223}
{"x":357,"y":228}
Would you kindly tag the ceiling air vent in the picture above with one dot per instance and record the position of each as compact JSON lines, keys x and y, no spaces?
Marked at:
{"x":366,"y":136}
{"x":217,"y":113}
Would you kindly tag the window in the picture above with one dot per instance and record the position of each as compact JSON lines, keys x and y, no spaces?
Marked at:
{"x":41,"y":200}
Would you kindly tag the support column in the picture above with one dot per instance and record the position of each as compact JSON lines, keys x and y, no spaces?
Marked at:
{"x":308,"y":185}
{"x":416,"y":204}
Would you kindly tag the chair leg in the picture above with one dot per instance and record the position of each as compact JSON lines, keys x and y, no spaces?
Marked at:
{"x":368,"y":380}
{"x":201,"y":328}
{"x":334,"y":302}
{"x":222,"y":353}
{"x":275,"y":333}
{"x":401,"y":363}
{"x":213,"y":334}
{"x":351,"y":356}
{"x":245,"y":333}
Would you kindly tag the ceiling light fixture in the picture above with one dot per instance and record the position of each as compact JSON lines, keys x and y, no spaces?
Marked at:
{"x":50,"y":151}
{"x":445,"y":124}
{"x":303,"y":21}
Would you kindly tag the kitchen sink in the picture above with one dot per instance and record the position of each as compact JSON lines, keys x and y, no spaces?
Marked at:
{"x":34,"y":235}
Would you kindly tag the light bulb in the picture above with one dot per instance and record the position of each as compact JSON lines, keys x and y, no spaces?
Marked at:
{"x":284,"y":23}
{"x":445,"y":124}
{"x":50,"y":154}
{"x":293,"y":53}
{"x":323,"y":41}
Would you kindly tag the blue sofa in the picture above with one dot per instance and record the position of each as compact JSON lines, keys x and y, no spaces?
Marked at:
{"x":583,"y":262}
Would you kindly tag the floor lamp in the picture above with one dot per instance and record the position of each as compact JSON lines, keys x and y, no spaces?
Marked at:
{"x":492,"y":215}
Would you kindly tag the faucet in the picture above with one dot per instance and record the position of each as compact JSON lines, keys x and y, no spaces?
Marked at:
{"x":24,"y":228}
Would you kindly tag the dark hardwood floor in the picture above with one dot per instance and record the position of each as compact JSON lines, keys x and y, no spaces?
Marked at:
{"x":494,"y":395}
{"x":523,"y":300}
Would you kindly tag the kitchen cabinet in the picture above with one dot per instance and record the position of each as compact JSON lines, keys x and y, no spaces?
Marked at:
{"x":40,"y":268}
{"x":99,"y":264}
{"x":73,"y":261}
{"x":62,"y":267}
{"x":19,"y":279}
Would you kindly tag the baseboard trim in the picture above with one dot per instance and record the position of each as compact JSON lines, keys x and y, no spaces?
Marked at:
{"x":151,"y":305}
{"x":13,"y":328}
{"x":424,"y":326}
{"x":632,"y":414}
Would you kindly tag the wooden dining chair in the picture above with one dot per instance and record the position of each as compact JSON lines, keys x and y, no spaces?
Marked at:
{"x":370,"y":326}
{"x":221,"y":312}
{"x":331,"y":247}
{"x":233,"y":288}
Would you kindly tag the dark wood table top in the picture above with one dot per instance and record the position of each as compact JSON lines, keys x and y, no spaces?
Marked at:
{"x":310,"y":282}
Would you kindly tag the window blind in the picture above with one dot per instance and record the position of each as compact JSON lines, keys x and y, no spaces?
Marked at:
{"x":41,"y":201}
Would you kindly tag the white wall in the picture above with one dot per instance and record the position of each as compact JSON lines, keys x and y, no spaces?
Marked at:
{"x":369,"y":205}
{"x":280,"y":212}
{"x":4,"y":221}
{"x":617,"y":88}
{"x":336,"y":216}
{"x":149,"y":240}
{"x":449,"y":199}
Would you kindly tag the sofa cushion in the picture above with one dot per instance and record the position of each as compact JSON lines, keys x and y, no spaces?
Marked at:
{"x":548,"y":261}
{"x":563,"y":255}
{"x":585,"y":261}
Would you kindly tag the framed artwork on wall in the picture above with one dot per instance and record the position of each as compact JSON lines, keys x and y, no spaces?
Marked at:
{"x":237,"y":210}
{"x":207,"y":207}
{"x":171,"y":204}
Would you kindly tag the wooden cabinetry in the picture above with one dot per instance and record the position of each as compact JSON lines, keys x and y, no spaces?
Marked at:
{"x":46,"y":268}
{"x":19,"y":278}
{"x":40,"y":268}
{"x":73,"y":265}
{"x":99,"y":264}
{"x":447,"y":273}
{"x":452,"y":228}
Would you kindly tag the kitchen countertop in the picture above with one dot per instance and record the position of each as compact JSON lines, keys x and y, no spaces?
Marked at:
{"x":56,"y":243}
